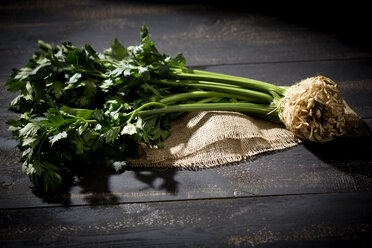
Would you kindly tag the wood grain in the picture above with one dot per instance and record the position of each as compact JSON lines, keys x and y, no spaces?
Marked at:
{"x":282,"y":221}
{"x":354,"y":78}
{"x":205,"y":34}
{"x":339,"y":166}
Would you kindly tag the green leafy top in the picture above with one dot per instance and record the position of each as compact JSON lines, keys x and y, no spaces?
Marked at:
{"x":78,"y":104}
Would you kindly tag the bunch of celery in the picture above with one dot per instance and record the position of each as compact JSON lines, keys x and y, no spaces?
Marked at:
{"x":77,"y":106}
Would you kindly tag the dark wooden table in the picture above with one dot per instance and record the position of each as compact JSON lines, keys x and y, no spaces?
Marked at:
{"x":313,"y":195}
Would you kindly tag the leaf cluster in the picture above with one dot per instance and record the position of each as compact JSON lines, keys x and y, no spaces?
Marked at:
{"x":76,"y":104}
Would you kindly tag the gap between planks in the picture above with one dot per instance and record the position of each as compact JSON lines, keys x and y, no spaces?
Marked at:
{"x":183,"y":200}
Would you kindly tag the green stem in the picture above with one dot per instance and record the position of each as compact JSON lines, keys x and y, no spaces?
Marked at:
{"x":227,"y":79}
{"x":202,"y":94}
{"x":208,"y":100}
{"x":253,"y":94}
{"x":265,"y":111}
{"x":135,"y":112}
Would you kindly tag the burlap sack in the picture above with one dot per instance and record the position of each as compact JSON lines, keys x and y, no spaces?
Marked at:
{"x":207,"y":139}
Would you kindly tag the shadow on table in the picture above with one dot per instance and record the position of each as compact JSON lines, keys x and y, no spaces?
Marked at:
{"x":351,"y":154}
{"x":158,"y":179}
{"x":94,"y":185}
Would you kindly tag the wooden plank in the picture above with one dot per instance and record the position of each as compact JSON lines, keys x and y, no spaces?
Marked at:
{"x":339,"y":166}
{"x":354,"y":78}
{"x":319,"y":220}
{"x":205,"y":35}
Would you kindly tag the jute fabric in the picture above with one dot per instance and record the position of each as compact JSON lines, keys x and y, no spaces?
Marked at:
{"x":212,"y":138}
